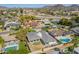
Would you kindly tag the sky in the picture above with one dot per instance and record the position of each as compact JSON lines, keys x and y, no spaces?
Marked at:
{"x":24,"y":5}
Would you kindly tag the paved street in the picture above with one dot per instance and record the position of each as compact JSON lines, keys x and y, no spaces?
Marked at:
{"x":5,"y":32}
{"x":6,"y":37}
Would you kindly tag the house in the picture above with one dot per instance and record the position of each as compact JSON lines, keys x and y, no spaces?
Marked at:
{"x":55,"y":20}
{"x":34,"y":41}
{"x":3,"y":19}
{"x":42,"y":36}
{"x":76,"y":50}
{"x":9,"y":25}
{"x":10,"y":42}
{"x":33,"y":24}
{"x":39,"y":40}
{"x":32,"y":36}
{"x":75,"y":30}
{"x":56,"y":32}
{"x":46,"y":21}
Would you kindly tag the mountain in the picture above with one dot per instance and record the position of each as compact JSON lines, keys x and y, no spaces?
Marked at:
{"x":74,"y":5}
{"x":2,"y":7}
{"x":54,"y":6}
{"x":63,"y":7}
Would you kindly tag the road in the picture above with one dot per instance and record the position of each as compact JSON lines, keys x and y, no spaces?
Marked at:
{"x":6,"y":32}
{"x":54,"y":17}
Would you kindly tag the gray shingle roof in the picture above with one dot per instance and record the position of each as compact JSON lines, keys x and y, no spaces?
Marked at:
{"x":77,"y":50}
{"x":32,"y":36}
{"x":40,"y":35}
{"x":46,"y":37}
{"x":76,"y":29}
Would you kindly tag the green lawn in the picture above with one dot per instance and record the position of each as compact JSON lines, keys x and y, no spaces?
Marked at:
{"x":77,"y":37}
{"x":22,"y":49}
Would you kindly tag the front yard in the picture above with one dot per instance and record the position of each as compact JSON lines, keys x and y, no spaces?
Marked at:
{"x":34,"y":46}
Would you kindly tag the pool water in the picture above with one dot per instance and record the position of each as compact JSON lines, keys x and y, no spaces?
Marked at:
{"x":10,"y":47}
{"x":65,"y":39}
{"x":13,"y":48}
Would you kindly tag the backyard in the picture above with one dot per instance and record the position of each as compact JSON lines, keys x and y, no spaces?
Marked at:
{"x":23,"y":46}
{"x":23,"y":49}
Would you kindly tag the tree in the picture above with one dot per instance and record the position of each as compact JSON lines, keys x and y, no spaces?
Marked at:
{"x":71,"y":48}
{"x":65,"y":21}
{"x":21,"y":34}
{"x":2,"y":23}
{"x":51,"y":19}
{"x":76,"y":19}
{"x":30,"y":30}
{"x":1,"y":41}
{"x":75,"y":42}
{"x":24,"y":18}
{"x":56,"y":49}
{"x":73,"y":14}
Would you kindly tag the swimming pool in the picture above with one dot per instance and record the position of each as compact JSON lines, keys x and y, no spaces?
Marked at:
{"x":11,"y":47}
{"x":63,"y":39}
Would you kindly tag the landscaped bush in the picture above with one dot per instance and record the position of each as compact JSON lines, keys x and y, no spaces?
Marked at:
{"x":1,"y":40}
